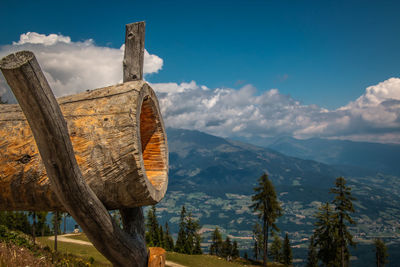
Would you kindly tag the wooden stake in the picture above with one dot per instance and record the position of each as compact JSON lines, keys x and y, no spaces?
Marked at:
{"x":134,"y":51}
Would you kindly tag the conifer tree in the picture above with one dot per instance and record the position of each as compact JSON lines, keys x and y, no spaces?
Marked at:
{"x":169,"y":242}
{"x":312,"y":260}
{"x":153,"y":230}
{"x":276,"y":248}
{"x":161,"y":239}
{"x":216,"y":243}
{"x":227,"y":247}
{"x":287,"y":256}
{"x":343,"y":207}
{"x":258,"y":240}
{"x":181,"y":240}
{"x":326,"y":236}
{"x":33,"y":215}
{"x":42,"y":225}
{"x":266,"y":204}
{"x":197,"y":246}
{"x":380,"y":253}
{"x":235,"y":250}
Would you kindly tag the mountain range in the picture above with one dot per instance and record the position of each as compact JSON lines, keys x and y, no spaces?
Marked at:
{"x":214,"y":178}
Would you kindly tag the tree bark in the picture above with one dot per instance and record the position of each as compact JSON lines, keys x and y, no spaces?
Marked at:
{"x":49,"y":129}
{"x":119,"y":141}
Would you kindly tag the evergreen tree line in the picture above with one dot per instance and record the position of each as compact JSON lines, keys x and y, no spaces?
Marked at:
{"x":32,"y":223}
{"x":226,"y":248}
{"x":188,"y":241}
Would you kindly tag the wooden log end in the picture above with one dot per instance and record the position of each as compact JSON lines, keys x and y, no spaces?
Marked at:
{"x":156,"y":257}
{"x":15,"y":60}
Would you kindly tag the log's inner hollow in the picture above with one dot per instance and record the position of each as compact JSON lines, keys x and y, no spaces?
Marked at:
{"x":152,"y":139}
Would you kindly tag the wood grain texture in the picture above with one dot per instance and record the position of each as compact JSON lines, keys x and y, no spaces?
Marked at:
{"x":50,"y":131}
{"x":134,"y":51}
{"x":119,"y":143}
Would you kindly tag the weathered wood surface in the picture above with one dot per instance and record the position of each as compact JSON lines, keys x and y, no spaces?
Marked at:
{"x":49,"y":129}
{"x":133,"y":218}
{"x":119,"y":142}
{"x":134,"y":51}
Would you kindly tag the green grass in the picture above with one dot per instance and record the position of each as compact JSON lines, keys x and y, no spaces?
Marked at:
{"x":207,"y":260}
{"x":83,"y":251}
{"x":86,"y":252}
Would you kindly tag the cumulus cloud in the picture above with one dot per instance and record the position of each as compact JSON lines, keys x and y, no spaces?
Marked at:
{"x":247,"y":113}
{"x":71,"y":67}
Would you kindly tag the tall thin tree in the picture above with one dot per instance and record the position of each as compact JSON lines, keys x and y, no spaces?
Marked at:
{"x":326,"y":235}
{"x":312,"y":260}
{"x":380,"y":253}
{"x":287,"y":256}
{"x":343,"y":208}
{"x":266,"y":204}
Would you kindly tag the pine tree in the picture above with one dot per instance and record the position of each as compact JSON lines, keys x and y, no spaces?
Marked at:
{"x":153,"y":230}
{"x":161,"y":237}
{"x":312,"y":260}
{"x":287,"y":256}
{"x":266,"y":204}
{"x":181,"y":240}
{"x":326,"y":236}
{"x":276,"y":248}
{"x":193,"y":238}
{"x":33,"y":215}
{"x":235,"y":250}
{"x":380,"y":253}
{"x":227,"y":247}
{"x":256,"y":250}
{"x":216,"y":243}
{"x":197,"y":246}
{"x":343,"y":207}
{"x":169,"y":242}
{"x":42,"y":225}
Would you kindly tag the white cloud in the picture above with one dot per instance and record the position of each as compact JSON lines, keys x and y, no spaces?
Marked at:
{"x":374,"y":116}
{"x":71,"y":67}
{"x":248,"y":113}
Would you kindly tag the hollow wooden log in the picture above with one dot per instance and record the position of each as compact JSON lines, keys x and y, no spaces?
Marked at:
{"x":119,"y":142}
{"x":50,"y":132}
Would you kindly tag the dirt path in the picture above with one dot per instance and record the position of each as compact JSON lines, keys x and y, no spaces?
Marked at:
{"x":173,"y":264}
{"x":64,"y":238}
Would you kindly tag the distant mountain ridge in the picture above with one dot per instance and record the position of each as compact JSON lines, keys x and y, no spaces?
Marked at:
{"x":376,"y":157}
{"x":209,"y":163}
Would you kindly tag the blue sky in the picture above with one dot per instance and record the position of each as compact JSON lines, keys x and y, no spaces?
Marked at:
{"x":315,"y":52}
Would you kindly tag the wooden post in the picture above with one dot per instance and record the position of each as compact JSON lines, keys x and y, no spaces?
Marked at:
{"x":134,"y":51}
{"x":133,"y":218}
{"x":49,"y":129}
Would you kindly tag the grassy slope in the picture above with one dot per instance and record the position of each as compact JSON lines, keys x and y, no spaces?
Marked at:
{"x":187,"y":260}
{"x":83,"y":251}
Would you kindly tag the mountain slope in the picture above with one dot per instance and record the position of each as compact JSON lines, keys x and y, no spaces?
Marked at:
{"x":207,"y":163}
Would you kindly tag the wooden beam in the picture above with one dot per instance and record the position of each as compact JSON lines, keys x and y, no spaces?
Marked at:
{"x":134,"y":51}
{"x":49,"y":129}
